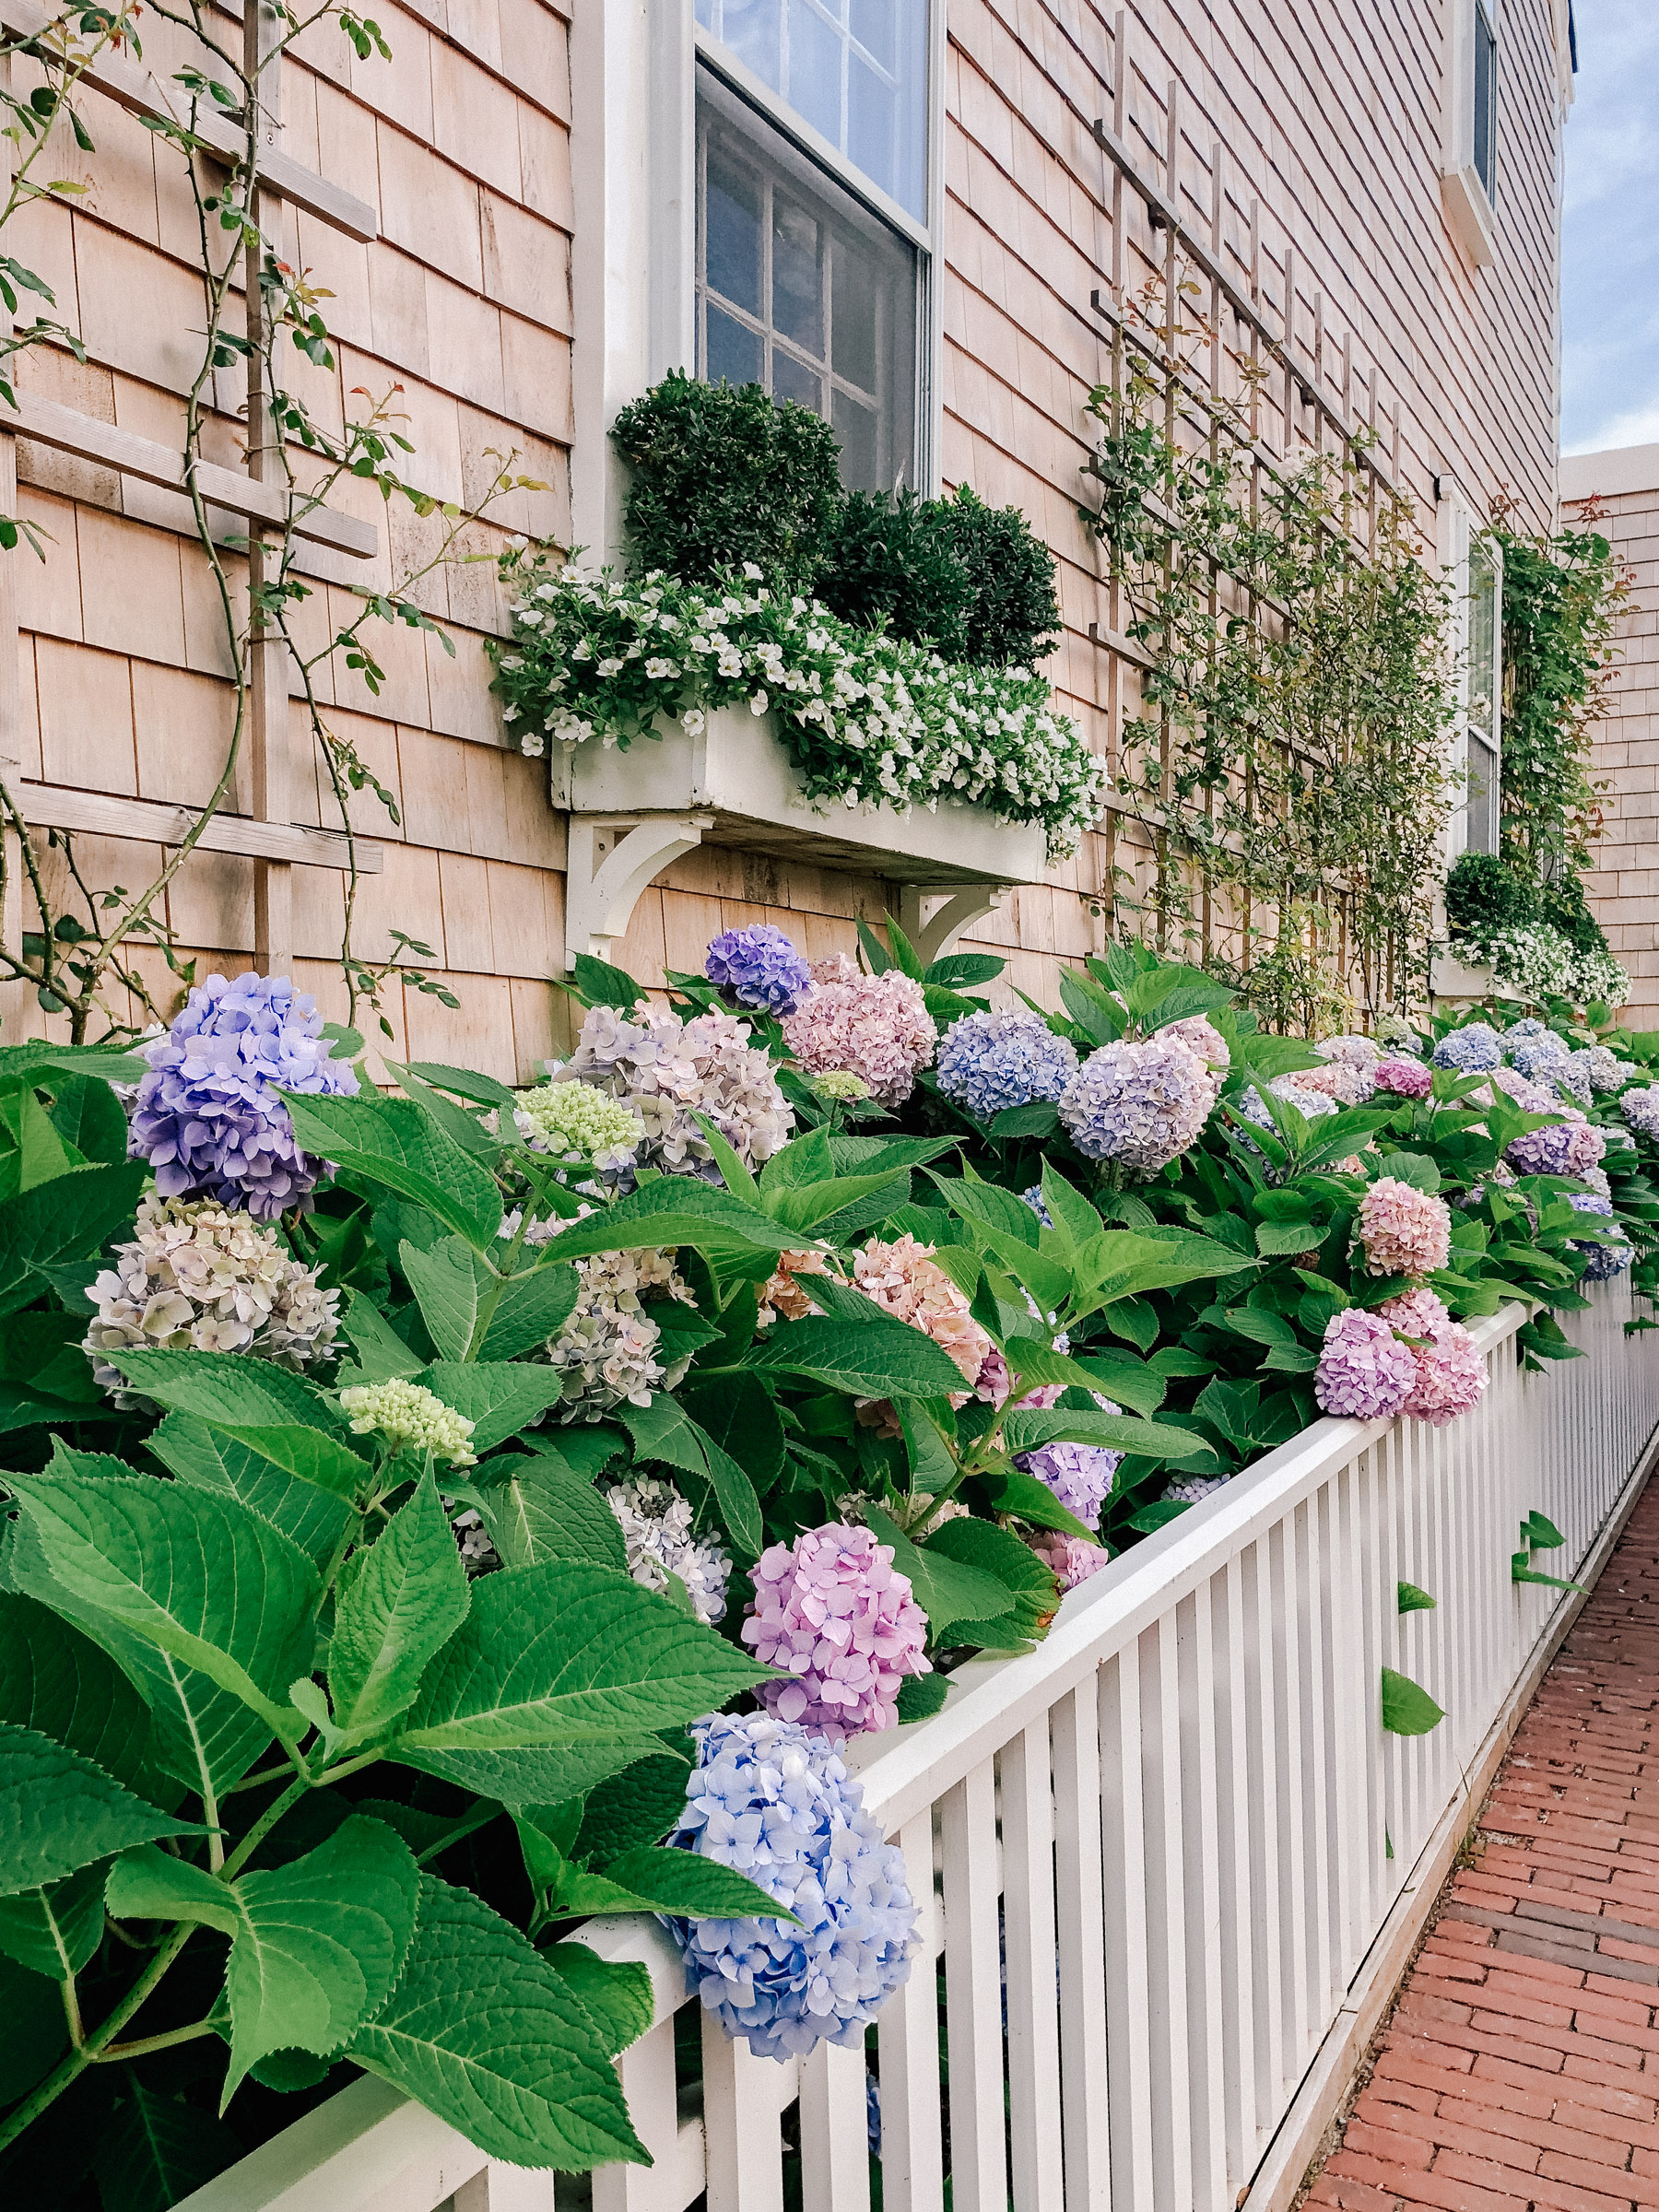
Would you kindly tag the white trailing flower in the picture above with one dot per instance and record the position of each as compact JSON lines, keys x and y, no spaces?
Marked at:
{"x":197,"y":1277}
{"x":655,"y":1522}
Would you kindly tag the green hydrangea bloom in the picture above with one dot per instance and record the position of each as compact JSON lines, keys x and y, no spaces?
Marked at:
{"x":411,"y":1419}
{"x":577,"y":1117}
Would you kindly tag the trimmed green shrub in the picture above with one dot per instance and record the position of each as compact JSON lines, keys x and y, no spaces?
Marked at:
{"x":1483,"y":897}
{"x":891,"y":566}
{"x":1015,"y":615}
{"x":722,"y":477}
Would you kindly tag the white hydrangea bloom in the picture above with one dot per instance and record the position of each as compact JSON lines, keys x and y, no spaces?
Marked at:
{"x":578,"y":1121}
{"x":655,"y":1522}
{"x":197,"y":1278}
{"x":411,"y":1419}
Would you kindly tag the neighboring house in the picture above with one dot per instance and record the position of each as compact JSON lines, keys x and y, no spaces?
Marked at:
{"x":1624,"y":883}
{"x":899,"y":211}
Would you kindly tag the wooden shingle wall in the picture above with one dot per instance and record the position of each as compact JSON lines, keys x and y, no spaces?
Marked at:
{"x":1624,"y":886}
{"x":1331,"y":121}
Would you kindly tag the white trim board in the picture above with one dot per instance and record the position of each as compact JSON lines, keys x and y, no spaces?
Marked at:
{"x":1614,"y":472}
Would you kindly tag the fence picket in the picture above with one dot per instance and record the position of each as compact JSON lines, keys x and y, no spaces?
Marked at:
{"x":973,"y":1996}
{"x":1033,"y":1970}
{"x":1085,"y":2083}
{"x":912,"y":2163}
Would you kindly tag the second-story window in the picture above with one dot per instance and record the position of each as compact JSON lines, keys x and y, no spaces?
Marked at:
{"x":1484,"y":80}
{"x":1484,"y":758}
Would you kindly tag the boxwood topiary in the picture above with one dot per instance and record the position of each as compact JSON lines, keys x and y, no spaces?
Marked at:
{"x":1483,"y":897}
{"x":723,"y":476}
{"x":1014,"y":614}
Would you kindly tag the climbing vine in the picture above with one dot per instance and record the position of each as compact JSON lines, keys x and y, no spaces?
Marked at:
{"x":1289,"y":755}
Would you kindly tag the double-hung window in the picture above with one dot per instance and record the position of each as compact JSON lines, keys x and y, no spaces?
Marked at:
{"x":1482,"y":758}
{"x":1484,"y":90}
{"x":814,"y":194}
{"x":1469,"y":162}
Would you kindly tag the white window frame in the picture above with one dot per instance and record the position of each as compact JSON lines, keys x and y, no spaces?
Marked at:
{"x":1468,"y":204}
{"x":633,"y":162}
{"x":1456,"y":529}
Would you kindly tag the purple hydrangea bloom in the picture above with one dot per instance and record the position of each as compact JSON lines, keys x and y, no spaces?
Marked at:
{"x":1640,"y":1108}
{"x":1143,"y":1103}
{"x":208,"y":1116}
{"x":1080,"y":1476}
{"x":776,"y":1804}
{"x":759,"y":967}
{"x":1471,"y":1050}
{"x":1601,"y":1261}
{"x":1364,"y":1370}
{"x":836,"y":1615}
{"x":1563,"y":1147}
{"x":990,"y":1062}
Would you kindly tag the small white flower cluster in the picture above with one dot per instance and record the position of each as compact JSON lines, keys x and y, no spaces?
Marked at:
{"x":868,"y":719}
{"x":197,"y":1277}
{"x":411,"y":1419}
{"x":1536,"y":962}
{"x":655,"y":1522}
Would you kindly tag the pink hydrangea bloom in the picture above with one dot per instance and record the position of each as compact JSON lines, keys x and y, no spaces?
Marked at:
{"x":876,"y":1026}
{"x":1450,"y":1377}
{"x":1418,"y":1314}
{"x":905,"y":1278}
{"x":833,"y":1613}
{"x":1068,"y":1557}
{"x":1203,"y":1037}
{"x":1364,"y":1371}
{"x":1349,"y":1082}
{"x":1404,"y":1230}
{"x":1406,"y":1078}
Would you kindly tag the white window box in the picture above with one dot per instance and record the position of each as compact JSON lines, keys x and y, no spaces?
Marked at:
{"x":1469,"y":212}
{"x":1450,"y":978}
{"x":633,"y":813}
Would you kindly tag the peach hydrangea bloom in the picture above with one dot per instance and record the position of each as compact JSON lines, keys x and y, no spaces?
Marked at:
{"x":1404,"y":1230}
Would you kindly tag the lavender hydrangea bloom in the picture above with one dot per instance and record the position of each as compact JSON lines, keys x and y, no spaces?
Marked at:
{"x":759,"y":967}
{"x":1364,"y":1371}
{"x":1528,"y":1026}
{"x":990,"y":1062}
{"x":1080,"y":1476}
{"x":776,"y":1804}
{"x":1144,"y":1103}
{"x":1601,"y":1261}
{"x":1471,"y":1050}
{"x":1538,"y":1058}
{"x":1563,"y":1147}
{"x":1640,"y":1108}
{"x":1033,"y":1197}
{"x":837,"y":1619}
{"x":208,"y":1116}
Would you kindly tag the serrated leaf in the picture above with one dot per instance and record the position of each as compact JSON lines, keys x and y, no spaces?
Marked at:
{"x":58,"y":1812}
{"x":1032,"y":1588}
{"x":1112,"y":1431}
{"x":677,"y":1210}
{"x":618,"y":1994}
{"x":638,"y":1807}
{"x":1541,"y":1532}
{"x":488,"y":2036}
{"x":497,"y":1397}
{"x":322,"y":1943}
{"x":393,"y":1143}
{"x":210,"y":1459}
{"x":55,"y":1930}
{"x":662,"y":1431}
{"x":1040,"y":1118}
{"x":1407,"y":1709}
{"x":1276,"y":1238}
{"x":870,"y":1360}
{"x":1414,"y":1167}
{"x":1033,"y":1503}
{"x":60,"y":1222}
{"x":662,"y":1878}
{"x":381,"y":1353}
{"x":232,"y":1394}
{"x":920,"y":1696}
{"x":565,"y":1654}
{"x":150,"y":1884}
{"x":947,"y":1590}
{"x":1147,"y":1519}
{"x":600,"y":984}
{"x":1413,"y":1600}
{"x":448,"y":1282}
{"x":532,"y":1309}
{"x":57,"y":1681}
{"x":199,"y":1577}
{"x":545,"y":1511}
{"x":396,"y":1605}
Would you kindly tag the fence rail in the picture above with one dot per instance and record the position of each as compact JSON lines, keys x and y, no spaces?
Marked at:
{"x":1152,"y":1855}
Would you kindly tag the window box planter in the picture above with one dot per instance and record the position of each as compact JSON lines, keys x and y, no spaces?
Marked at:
{"x":1205,"y":1855}
{"x":733,"y":783}
{"x":1451,"y":979}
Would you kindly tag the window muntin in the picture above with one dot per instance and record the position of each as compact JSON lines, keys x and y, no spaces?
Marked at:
{"x":1484,"y":80}
{"x":1485,"y":678}
{"x":801,"y":289}
{"x":854,"y":70}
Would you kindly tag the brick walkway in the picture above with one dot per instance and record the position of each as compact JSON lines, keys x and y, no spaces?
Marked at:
{"x":1520,"y":2071}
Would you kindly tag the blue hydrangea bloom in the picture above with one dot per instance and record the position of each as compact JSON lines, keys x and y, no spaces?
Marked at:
{"x":1640,"y":1107}
{"x":208,"y":1117}
{"x":1572,"y":1079}
{"x":1538,"y":1058}
{"x":1033,"y":1197}
{"x":1528,"y":1026}
{"x":1473,"y":1049}
{"x":1601,"y":1261}
{"x":990,"y":1062}
{"x":776,"y":1803}
{"x":759,"y":967}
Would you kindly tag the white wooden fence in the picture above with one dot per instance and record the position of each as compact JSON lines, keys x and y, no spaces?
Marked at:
{"x":1177,"y":1828}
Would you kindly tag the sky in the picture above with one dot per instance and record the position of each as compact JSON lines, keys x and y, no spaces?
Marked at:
{"x":1610,"y":247}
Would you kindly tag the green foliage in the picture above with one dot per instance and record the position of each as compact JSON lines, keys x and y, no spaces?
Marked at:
{"x":1484,"y":895}
{"x":722,"y":477}
{"x":971,"y":581}
{"x":1407,"y":1709}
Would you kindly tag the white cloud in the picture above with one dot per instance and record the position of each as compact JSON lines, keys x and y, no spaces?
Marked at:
{"x":1636,"y":426}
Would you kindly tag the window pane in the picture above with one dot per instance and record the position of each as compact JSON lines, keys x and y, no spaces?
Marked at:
{"x":754,"y":31}
{"x":797,"y":275}
{"x":835,"y":328}
{"x":791,"y":380}
{"x":814,"y":91}
{"x":859,"y":432}
{"x":731,"y":354}
{"x":1483,"y":643}
{"x":1486,"y":91}
{"x":732,"y":234}
{"x":1483,"y":798}
{"x":855,"y":70}
{"x":851,"y":317}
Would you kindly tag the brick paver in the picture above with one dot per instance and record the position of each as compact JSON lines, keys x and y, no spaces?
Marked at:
{"x":1519,"y":2071}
